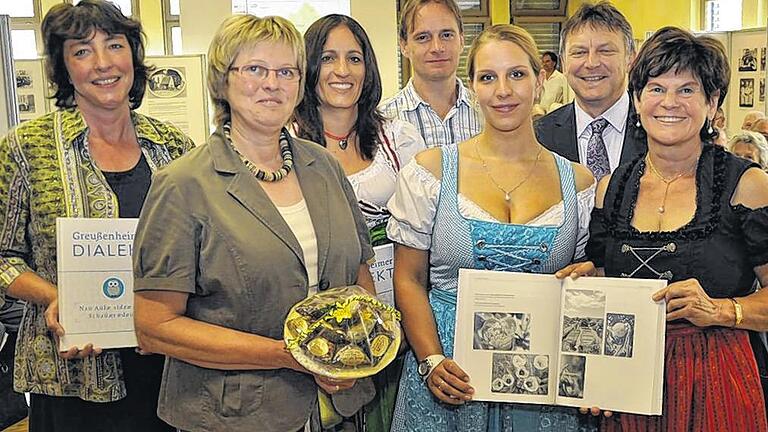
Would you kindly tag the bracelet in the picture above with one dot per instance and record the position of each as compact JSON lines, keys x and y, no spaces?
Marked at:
{"x":738,"y":312}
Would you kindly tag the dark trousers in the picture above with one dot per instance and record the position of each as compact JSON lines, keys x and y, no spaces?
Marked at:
{"x":13,"y":407}
{"x":136,"y":412}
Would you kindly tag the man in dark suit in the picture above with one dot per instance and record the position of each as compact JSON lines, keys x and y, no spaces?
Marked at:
{"x":598,"y":127}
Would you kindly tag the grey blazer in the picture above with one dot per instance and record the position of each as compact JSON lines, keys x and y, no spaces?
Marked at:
{"x":208,"y":229}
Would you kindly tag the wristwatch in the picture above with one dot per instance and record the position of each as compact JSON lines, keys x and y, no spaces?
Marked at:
{"x":429,"y":364}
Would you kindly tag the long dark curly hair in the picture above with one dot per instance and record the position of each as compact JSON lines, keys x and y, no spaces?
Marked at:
{"x":307,"y":115}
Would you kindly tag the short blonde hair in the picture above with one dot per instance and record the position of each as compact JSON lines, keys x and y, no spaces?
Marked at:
{"x":754,"y":139}
{"x":509,"y":33}
{"x":240,"y":32}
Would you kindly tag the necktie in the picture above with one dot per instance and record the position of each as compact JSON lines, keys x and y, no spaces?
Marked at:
{"x":597,"y":155}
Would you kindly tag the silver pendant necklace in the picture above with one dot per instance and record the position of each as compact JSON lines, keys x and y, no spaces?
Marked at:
{"x":507,"y":193}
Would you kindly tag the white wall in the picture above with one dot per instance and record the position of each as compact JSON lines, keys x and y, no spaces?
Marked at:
{"x":199,"y":21}
{"x":201,"y":18}
{"x":380,"y":22}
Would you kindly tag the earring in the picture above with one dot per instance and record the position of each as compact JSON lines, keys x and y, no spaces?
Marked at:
{"x":709,"y":127}
{"x":637,"y":125}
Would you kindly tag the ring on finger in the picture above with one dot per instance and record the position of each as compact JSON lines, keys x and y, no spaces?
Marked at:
{"x":440,"y":383}
{"x":336,"y":387}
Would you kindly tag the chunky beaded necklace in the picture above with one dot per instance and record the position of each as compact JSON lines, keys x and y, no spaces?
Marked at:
{"x":285,"y":153}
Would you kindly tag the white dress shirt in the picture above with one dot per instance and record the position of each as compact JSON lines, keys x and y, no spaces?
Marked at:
{"x":613,"y":135}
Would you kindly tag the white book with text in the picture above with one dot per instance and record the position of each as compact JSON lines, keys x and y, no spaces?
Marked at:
{"x":531,"y":338}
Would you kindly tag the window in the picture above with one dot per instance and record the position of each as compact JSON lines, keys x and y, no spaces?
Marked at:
{"x":172,"y":26}
{"x":129,"y":8}
{"x":176,"y":40}
{"x":472,"y":29}
{"x":23,"y":44}
{"x":722,"y":15}
{"x":175,"y":7}
{"x":537,"y":7}
{"x":18,"y":9}
{"x":544,"y":30}
{"x":25,"y":22}
{"x":543,"y":19}
{"x":473,"y":8}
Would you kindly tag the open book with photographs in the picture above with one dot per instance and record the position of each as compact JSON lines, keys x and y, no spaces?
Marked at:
{"x":530,"y":338}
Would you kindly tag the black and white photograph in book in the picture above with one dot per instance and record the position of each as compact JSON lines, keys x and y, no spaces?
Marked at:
{"x":571,"y":382}
{"x":526,"y":374}
{"x":502,"y":331}
{"x":748,"y":61}
{"x":762,"y":89}
{"x":583,"y":321}
{"x":619,"y":335}
{"x":762,"y":58}
{"x":582,"y":335}
{"x":747,"y":92}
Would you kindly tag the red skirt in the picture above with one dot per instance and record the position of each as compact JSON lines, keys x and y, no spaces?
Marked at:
{"x":711,"y":384}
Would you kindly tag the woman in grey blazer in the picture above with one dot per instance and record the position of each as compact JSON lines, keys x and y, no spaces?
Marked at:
{"x":236,"y":233}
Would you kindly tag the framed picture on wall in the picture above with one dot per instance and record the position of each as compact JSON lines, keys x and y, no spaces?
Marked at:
{"x":747,"y":92}
{"x":762,"y":90}
{"x":748,"y":61}
{"x":762,"y":59}
{"x":31,"y":89}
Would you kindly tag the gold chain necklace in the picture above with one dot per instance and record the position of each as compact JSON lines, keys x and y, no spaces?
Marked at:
{"x":507,"y":193}
{"x":668,"y":182}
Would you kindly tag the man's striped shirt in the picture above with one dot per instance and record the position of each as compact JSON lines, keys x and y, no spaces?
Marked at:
{"x":462,"y":122}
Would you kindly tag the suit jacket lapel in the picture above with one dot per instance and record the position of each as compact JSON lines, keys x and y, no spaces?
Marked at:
{"x":245,"y":189}
{"x":565,"y":134}
{"x":314,"y":186}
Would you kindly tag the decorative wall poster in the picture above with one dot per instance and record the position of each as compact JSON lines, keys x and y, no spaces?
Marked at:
{"x":528,"y":338}
{"x":31,"y":88}
{"x":747,"y":92}
{"x":762,"y":58}
{"x":302,"y":13}
{"x":176,"y":94}
{"x":95,"y":281}
{"x":748,"y":61}
{"x":762,"y":90}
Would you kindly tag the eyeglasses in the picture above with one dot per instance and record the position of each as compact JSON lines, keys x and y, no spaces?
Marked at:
{"x":258,"y":72}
